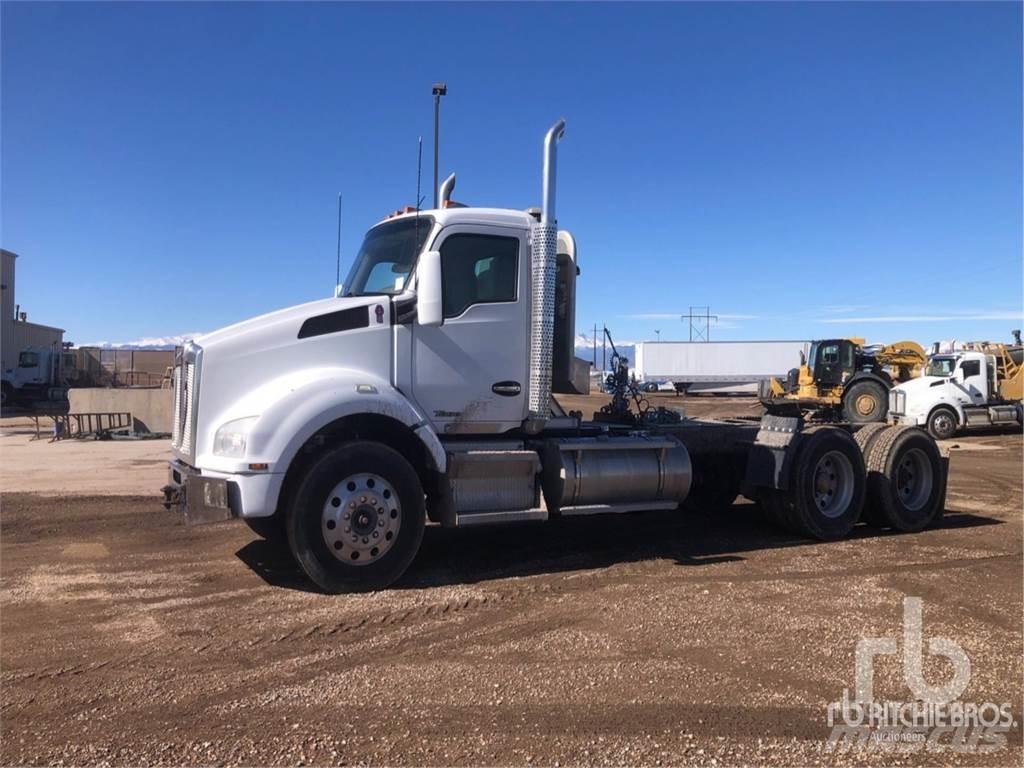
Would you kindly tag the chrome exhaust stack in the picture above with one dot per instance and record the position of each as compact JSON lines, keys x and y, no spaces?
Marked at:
{"x":444,"y":193}
{"x":542,"y":288}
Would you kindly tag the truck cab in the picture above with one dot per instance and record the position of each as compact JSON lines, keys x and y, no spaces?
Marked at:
{"x":957,"y":390}
{"x":39,"y":377}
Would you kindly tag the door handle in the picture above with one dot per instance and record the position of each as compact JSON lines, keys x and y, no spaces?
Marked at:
{"x":507,"y":388}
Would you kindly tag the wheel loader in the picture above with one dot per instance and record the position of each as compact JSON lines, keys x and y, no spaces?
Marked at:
{"x":842,"y":379}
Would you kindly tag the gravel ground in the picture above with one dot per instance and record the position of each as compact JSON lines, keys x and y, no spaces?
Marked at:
{"x":647,"y":639}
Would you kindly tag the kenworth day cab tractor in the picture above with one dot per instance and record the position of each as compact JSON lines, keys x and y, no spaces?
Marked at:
{"x":423,"y":390}
{"x":979,"y":385}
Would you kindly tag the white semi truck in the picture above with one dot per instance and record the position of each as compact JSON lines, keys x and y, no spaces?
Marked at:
{"x":979,"y":385}
{"x":423,"y":390}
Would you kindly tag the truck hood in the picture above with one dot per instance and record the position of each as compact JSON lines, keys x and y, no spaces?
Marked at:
{"x":241,"y":365}
{"x":921,"y":384}
{"x":286,"y":321}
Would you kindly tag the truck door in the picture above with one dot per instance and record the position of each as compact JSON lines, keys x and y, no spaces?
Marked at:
{"x":829,"y":364}
{"x":973,"y":380}
{"x":470,"y":373}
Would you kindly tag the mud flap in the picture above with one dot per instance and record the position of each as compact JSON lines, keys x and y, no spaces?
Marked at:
{"x":772,"y":453}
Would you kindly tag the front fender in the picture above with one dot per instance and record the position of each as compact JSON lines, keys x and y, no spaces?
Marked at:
{"x":951,"y":404}
{"x":292,"y":409}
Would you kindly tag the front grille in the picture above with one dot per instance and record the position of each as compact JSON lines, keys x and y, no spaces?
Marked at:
{"x":186,"y":390}
{"x":897,"y":401}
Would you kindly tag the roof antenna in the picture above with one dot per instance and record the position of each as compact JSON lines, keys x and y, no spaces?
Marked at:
{"x":337,"y":268}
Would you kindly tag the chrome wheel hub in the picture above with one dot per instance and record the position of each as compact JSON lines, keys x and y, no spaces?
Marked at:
{"x":943,"y":424}
{"x":914,"y":479}
{"x":833,"y":484}
{"x":361,"y":518}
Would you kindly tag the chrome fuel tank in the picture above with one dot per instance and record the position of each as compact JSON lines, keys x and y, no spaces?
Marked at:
{"x":614,"y":474}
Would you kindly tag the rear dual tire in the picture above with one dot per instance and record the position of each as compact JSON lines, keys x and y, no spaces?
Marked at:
{"x":827,"y":487}
{"x":906,"y":480}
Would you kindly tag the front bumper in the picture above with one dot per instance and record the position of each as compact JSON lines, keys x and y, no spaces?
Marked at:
{"x":908,"y":420}
{"x":202,"y":498}
{"x":205,"y":496}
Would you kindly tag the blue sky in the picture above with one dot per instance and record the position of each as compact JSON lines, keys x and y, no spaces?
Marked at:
{"x":808,"y":170}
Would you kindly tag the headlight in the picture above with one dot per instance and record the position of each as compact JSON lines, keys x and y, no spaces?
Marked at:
{"x":230,"y":439}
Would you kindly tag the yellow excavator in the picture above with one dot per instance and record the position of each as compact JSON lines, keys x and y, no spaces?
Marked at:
{"x":844,"y":379}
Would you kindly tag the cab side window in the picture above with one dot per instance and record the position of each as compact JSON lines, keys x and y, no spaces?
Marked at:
{"x":478,"y":269}
{"x":970,"y":368}
{"x":830,"y":354}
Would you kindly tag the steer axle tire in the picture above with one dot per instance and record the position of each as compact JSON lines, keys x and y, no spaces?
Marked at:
{"x":357,"y":518}
{"x":906,"y":480}
{"x":827,"y":491}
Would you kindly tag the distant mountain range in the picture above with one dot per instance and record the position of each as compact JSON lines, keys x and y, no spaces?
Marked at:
{"x":153,"y":342}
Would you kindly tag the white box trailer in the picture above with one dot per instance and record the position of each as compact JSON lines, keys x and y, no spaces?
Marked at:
{"x":716,"y":365}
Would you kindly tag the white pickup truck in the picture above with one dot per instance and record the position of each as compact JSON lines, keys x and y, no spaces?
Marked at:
{"x":423,"y":390}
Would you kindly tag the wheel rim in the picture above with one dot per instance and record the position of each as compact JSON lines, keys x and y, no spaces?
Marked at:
{"x":914,"y":479}
{"x":361,"y":519}
{"x":865,"y":405}
{"x":943,"y":423}
{"x":833,"y":484}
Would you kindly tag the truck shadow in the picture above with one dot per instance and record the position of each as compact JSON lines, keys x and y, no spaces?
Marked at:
{"x":475,"y":555}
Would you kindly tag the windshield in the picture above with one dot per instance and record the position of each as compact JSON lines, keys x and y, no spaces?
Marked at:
{"x":387,"y":256}
{"x":28,"y":360}
{"x":940,"y":366}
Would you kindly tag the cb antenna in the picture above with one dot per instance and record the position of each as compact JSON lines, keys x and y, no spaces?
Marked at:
{"x":337,"y":268}
{"x":419,"y":174}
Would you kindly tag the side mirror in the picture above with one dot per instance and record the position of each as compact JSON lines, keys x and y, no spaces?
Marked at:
{"x":429,"y":308}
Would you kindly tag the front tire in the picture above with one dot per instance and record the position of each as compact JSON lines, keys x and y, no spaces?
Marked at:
{"x":942,"y":423}
{"x":357,"y":519}
{"x":865,"y":402}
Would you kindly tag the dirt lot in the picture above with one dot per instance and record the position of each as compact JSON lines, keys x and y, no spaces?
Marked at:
{"x":649,"y":639}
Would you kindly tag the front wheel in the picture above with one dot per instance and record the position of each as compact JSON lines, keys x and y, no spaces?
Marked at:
{"x":942,"y":423}
{"x":357,"y":519}
{"x":864,"y":402}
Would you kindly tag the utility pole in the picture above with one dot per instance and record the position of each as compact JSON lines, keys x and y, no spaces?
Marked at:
{"x":700,"y":322}
{"x":595,"y":345}
{"x":604,"y":349}
{"x":439,"y":90}
{"x":657,"y":333}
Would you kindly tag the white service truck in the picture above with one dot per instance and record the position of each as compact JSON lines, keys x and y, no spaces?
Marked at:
{"x":39,"y":380}
{"x":979,"y":385}
{"x":423,"y":390}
